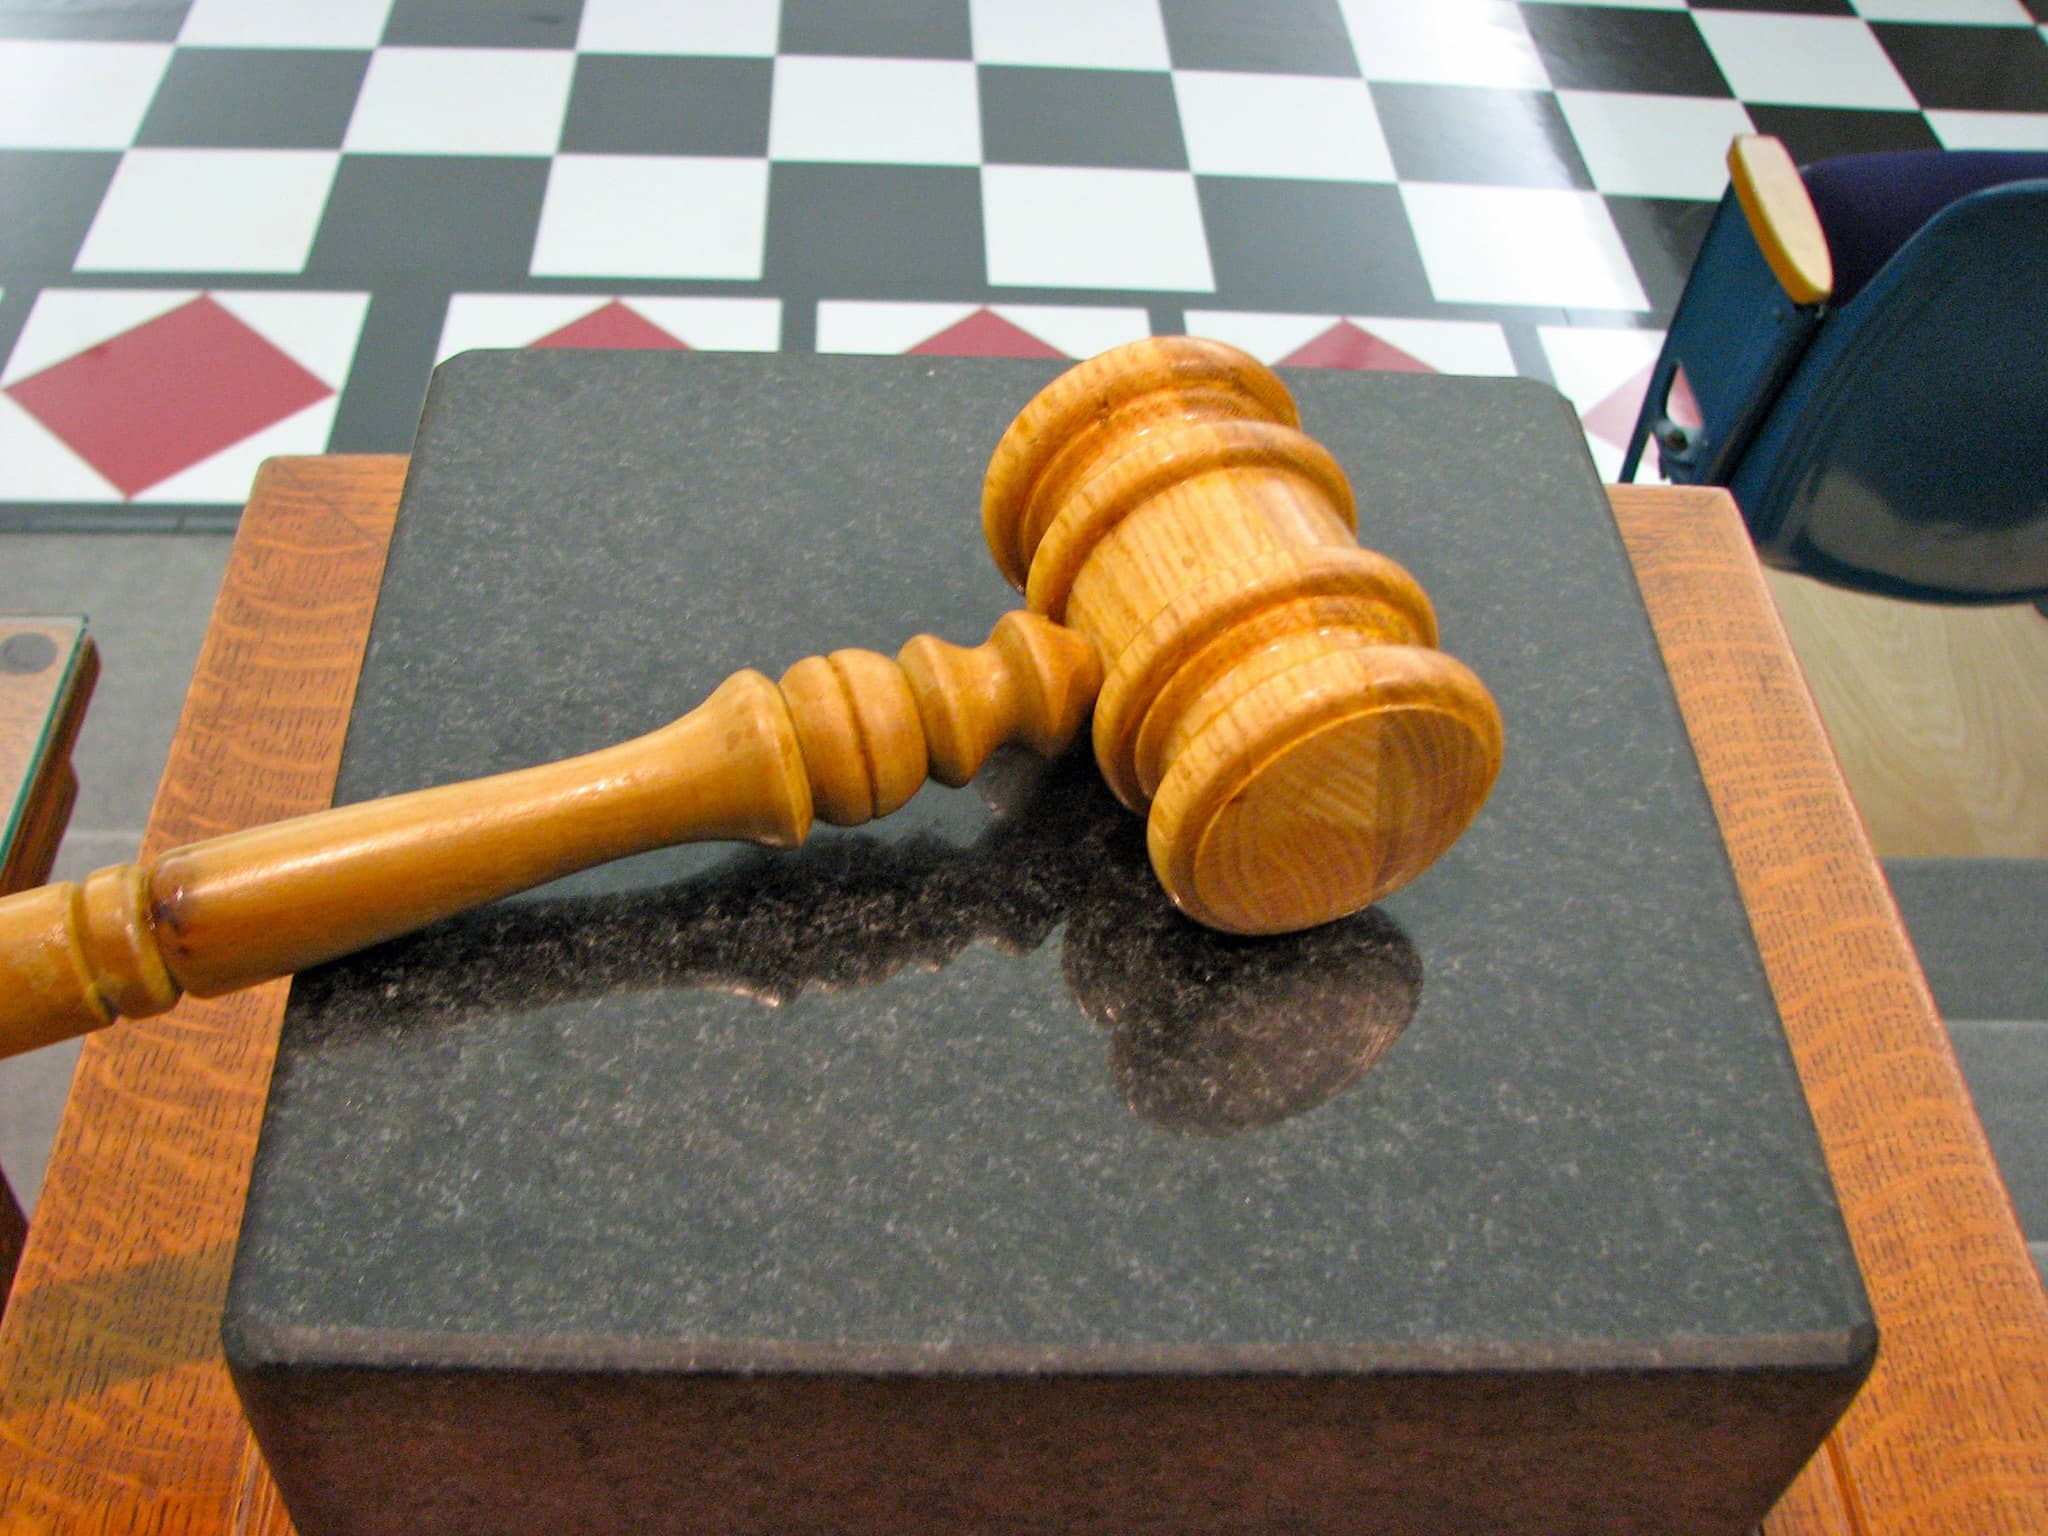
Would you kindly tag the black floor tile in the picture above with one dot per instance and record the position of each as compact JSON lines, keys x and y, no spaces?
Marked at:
{"x":1982,"y":69}
{"x":466,"y":24}
{"x":1819,"y":133}
{"x":1293,"y":37}
{"x":380,"y":406}
{"x":255,"y":98}
{"x":47,"y":200}
{"x":1601,"y":48}
{"x":1479,"y":135}
{"x":1662,"y":236}
{"x":139,"y":21}
{"x":875,"y":231}
{"x":1080,"y":117}
{"x":1797,"y":7}
{"x":467,"y":222}
{"x":1312,"y":246}
{"x":1525,"y":346}
{"x":897,"y":29}
{"x":16,"y":299}
{"x":649,"y":105}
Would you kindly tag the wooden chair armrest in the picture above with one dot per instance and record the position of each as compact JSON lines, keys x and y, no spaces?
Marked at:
{"x":1782,"y":218}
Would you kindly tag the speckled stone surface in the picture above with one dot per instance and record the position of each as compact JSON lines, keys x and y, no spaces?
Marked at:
{"x":939,"y":1176}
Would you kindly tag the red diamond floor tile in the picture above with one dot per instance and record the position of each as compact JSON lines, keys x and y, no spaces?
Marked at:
{"x":1345,"y":345}
{"x":173,"y":391}
{"x":984,"y":334}
{"x":615,"y":325}
{"x":1614,"y":417}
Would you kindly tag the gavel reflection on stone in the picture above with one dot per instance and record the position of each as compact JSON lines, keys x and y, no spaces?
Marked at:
{"x":1266,"y":691}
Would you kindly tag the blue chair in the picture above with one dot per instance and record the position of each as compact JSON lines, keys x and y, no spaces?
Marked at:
{"x":1867,"y":345}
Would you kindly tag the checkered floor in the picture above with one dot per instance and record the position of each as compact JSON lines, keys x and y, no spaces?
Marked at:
{"x":240,"y":227}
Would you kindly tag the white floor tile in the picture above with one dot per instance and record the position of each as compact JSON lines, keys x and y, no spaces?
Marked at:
{"x":1807,"y":61}
{"x":1603,"y":373}
{"x":876,"y":111}
{"x":1070,"y":34}
{"x":319,"y":331}
{"x":1080,"y":330}
{"x":1990,"y":12}
{"x":1444,"y":42}
{"x":1056,"y":227}
{"x":1618,"y":5}
{"x":1281,"y":125}
{"x":462,"y":101}
{"x":1448,"y":346}
{"x":509,"y":319}
{"x":62,"y":95}
{"x":228,"y":475}
{"x":1267,"y":336}
{"x":1607,"y":461}
{"x":1654,"y":146}
{"x":742,"y":28}
{"x":35,"y":464}
{"x":63,"y":322}
{"x":887,"y":327}
{"x":652,"y":216}
{"x":1520,"y":245}
{"x":1589,"y":363}
{"x":269,"y":24}
{"x":882,"y":328}
{"x":717,"y":325}
{"x":521,"y":319}
{"x":1990,"y":130}
{"x":209,"y":210}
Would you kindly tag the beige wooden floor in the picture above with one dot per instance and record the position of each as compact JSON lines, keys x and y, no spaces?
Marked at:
{"x":1939,"y":716}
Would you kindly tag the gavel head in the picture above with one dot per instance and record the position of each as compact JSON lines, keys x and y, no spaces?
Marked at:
{"x":1272,"y":693}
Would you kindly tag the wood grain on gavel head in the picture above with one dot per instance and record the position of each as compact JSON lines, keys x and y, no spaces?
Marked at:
{"x":1272,"y":692}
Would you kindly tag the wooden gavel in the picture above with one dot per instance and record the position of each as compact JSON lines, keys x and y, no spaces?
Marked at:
{"x":1268,"y":689}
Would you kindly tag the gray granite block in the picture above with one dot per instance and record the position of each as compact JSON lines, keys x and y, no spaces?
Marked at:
{"x":940,"y":1176}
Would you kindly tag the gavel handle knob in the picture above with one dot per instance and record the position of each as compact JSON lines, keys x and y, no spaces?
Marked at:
{"x":844,"y":737}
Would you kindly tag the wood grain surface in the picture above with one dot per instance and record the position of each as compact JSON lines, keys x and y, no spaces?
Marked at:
{"x":852,"y":735}
{"x":115,"y":1410}
{"x":1782,"y":217}
{"x":1273,"y":696}
{"x":1938,"y":714}
{"x":1951,"y":1433}
{"x":115,"y":1413}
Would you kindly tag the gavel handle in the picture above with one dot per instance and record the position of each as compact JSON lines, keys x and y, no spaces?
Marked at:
{"x":845,"y":737}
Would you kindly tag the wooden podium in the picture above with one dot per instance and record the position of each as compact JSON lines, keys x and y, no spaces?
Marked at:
{"x":118,"y":1415}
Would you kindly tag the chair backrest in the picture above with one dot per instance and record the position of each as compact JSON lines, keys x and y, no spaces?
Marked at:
{"x":1869,"y":206}
{"x":1908,"y":451}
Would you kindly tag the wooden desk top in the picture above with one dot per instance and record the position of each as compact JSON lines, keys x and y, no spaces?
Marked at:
{"x":115,"y":1411}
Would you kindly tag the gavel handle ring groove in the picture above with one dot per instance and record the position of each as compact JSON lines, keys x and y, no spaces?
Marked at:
{"x":842,"y":738}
